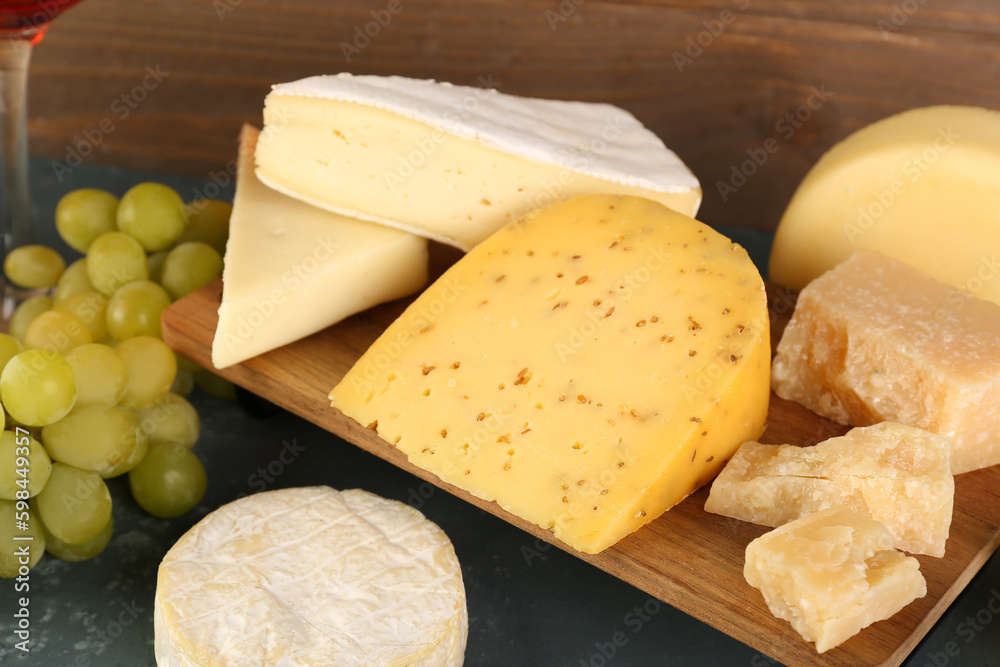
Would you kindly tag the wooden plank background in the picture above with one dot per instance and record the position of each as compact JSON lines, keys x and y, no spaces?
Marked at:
{"x":165,"y":84}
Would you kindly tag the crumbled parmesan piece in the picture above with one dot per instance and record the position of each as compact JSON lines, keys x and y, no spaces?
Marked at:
{"x":831,"y":574}
{"x":898,"y":475}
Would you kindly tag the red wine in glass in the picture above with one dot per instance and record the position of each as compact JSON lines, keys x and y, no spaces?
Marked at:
{"x":27,"y":19}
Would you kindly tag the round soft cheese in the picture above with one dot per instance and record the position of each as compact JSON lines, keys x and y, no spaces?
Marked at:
{"x":311,"y":576}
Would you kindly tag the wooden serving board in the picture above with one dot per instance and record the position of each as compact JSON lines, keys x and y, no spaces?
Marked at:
{"x":687,"y":558}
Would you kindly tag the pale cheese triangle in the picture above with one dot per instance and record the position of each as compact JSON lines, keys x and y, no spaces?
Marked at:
{"x":292,"y":269}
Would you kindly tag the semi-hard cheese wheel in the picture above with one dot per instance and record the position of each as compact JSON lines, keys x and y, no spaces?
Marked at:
{"x":455,"y":163}
{"x":586,"y":367}
{"x":922,"y":187}
{"x":311,"y":577}
{"x":292,"y":269}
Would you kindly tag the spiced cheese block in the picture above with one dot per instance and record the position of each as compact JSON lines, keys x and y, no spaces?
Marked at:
{"x":586,"y":368}
{"x":292,"y":269}
{"x":831,"y":574}
{"x":311,"y":576}
{"x":455,"y":163}
{"x":874,"y":339}
{"x":898,"y":475}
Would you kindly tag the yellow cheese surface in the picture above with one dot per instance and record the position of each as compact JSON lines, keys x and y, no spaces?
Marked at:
{"x":922,"y":186}
{"x":378,"y":165}
{"x":895,"y":474}
{"x":587,"y":367}
{"x":876,"y":340}
{"x":831,"y":574}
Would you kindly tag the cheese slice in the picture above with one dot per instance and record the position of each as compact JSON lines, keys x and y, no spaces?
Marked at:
{"x":311,"y":576}
{"x":292,"y":269}
{"x":922,"y":186}
{"x":895,"y":474}
{"x":455,"y":163}
{"x":876,"y":340}
{"x":586,"y":368}
{"x":831,"y":574}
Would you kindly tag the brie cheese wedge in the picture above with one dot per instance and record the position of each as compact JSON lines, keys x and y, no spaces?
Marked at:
{"x":455,"y":163}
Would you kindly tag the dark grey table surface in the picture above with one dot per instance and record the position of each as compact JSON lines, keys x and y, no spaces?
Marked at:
{"x":529,"y":605}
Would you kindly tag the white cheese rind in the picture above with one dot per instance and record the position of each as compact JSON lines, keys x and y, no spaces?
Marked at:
{"x":311,"y":576}
{"x":292,"y":269}
{"x":551,"y":131}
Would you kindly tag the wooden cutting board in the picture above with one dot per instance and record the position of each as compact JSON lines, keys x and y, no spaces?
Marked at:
{"x":687,"y":558}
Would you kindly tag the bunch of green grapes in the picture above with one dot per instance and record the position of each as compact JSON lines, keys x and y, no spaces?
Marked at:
{"x":88,"y":388}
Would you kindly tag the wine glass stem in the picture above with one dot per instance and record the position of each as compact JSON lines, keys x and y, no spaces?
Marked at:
{"x":15,"y":54}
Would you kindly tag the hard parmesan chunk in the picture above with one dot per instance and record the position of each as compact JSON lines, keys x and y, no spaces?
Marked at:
{"x":898,"y":475}
{"x":875,"y":340}
{"x":586,"y":368}
{"x":831,"y":574}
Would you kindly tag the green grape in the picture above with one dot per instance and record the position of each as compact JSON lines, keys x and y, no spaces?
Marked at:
{"x":168,"y":481}
{"x":25,"y":313}
{"x":101,"y":375}
{"x":56,"y":330}
{"x":172,"y":419}
{"x":9,"y":348}
{"x":83,"y":215}
{"x":74,"y":553}
{"x":75,"y":505}
{"x":115,"y":259}
{"x":155,"y":261}
{"x":185,"y":364}
{"x":190,"y":266}
{"x":208,"y":222}
{"x":183,"y":383}
{"x":34,"y":266}
{"x":135,"y":310}
{"x":17,"y":522}
{"x":74,"y":280}
{"x":91,"y":308}
{"x":38,"y":387}
{"x":215,"y":385}
{"x":152,"y":367}
{"x":141,"y":446}
{"x":93,"y":437}
{"x":24,"y":465}
{"x":153,"y":214}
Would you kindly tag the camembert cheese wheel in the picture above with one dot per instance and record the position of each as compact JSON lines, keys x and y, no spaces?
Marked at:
{"x":311,"y":576}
